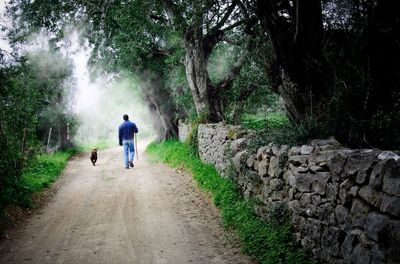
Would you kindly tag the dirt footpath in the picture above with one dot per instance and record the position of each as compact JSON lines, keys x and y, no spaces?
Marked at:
{"x":108,"y":214}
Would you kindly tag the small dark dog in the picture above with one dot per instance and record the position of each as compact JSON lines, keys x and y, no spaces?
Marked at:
{"x":93,"y":156}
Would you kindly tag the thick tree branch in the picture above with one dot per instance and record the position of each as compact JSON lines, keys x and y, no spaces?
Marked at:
{"x":4,"y":53}
{"x":280,"y":32}
{"x":210,"y":40}
{"x":231,"y":41}
{"x":4,"y":25}
{"x":236,"y":24}
{"x":223,"y":20}
{"x":233,"y":72}
{"x":174,"y":14}
{"x":309,"y":29}
{"x":216,"y":35}
{"x":267,"y":11}
{"x":208,"y":5}
{"x":242,"y":8}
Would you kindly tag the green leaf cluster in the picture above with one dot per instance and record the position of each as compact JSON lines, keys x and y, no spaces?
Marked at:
{"x":33,"y":97}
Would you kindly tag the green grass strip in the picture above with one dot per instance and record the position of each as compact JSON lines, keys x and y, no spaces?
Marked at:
{"x":273,"y":120}
{"x":265,"y":242}
{"x":44,"y":170}
{"x":39,"y":173}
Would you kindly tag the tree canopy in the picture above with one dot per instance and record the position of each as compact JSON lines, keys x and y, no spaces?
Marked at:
{"x":333,"y":62}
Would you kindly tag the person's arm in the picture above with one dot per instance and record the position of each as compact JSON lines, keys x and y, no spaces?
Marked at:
{"x":120,"y":135}
{"x":135,"y":129}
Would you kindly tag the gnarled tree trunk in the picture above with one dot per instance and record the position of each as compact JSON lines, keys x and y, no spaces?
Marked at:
{"x":200,"y":38}
{"x":298,"y":73}
{"x":161,"y":106}
{"x":205,"y":96}
{"x":196,"y":69}
{"x":164,"y":125}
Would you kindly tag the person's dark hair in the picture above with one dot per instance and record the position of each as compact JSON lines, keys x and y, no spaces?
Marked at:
{"x":126,"y":117}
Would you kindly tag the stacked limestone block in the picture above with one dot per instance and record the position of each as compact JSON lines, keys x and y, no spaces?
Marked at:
{"x":345,"y":203}
{"x":215,"y":143}
{"x":183,"y":131}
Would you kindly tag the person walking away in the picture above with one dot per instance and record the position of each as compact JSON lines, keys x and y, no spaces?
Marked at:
{"x":126,"y":133}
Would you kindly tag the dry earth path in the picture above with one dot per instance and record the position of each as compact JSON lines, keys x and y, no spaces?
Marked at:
{"x":107,"y":214}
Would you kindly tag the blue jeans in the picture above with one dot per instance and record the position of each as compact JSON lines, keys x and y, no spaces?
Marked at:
{"x":129,"y":151}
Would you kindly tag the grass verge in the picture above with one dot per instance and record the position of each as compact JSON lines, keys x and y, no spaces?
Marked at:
{"x":273,"y":120}
{"x":265,"y":242}
{"x":37,"y":175}
{"x":19,"y":194}
{"x":44,"y":170}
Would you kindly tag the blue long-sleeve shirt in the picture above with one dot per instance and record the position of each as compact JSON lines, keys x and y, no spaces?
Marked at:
{"x":127,"y":130}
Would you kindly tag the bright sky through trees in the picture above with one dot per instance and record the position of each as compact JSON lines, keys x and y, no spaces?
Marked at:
{"x":3,"y":42}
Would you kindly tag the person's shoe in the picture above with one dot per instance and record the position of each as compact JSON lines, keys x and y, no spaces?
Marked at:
{"x":126,"y":167}
{"x":131,"y":164}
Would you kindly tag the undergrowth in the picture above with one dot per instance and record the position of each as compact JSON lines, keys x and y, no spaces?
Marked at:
{"x":273,"y":120}
{"x":44,"y":170}
{"x":265,"y":242}
{"x":38,"y":174}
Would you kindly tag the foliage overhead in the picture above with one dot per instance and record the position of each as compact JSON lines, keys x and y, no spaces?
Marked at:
{"x":333,"y":62}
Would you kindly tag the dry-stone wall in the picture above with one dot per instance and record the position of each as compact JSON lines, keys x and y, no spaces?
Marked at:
{"x":345,"y":203}
{"x":184,"y":131}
